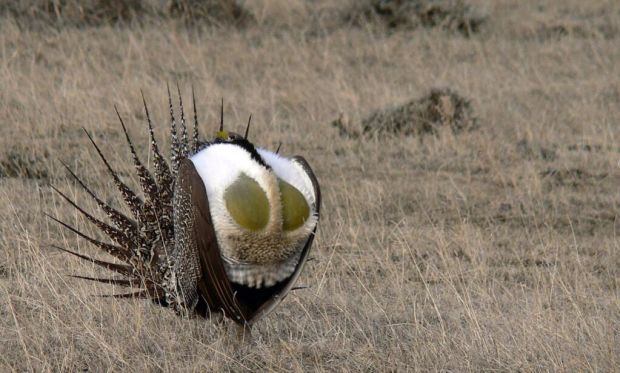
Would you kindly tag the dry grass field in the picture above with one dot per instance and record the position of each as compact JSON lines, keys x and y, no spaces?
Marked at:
{"x":494,"y":248}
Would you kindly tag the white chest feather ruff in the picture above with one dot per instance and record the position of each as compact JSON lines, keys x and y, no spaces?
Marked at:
{"x":261,"y":257}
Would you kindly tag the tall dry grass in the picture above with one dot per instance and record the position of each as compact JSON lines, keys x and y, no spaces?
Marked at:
{"x":494,"y":249}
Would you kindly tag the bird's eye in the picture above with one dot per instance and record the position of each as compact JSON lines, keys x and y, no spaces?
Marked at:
{"x":247,"y":203}
{"x":295,"y":209}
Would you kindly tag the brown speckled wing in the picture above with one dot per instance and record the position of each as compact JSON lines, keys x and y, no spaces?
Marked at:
{"x":215,"y":293}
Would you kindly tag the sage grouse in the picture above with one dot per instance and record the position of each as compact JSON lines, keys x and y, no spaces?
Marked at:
{"x":225,"y":227}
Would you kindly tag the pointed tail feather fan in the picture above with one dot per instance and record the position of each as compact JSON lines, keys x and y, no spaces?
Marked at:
{"x":224,"y":226}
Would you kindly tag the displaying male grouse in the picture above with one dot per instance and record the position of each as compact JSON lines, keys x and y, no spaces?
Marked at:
{"x":226,"y":227}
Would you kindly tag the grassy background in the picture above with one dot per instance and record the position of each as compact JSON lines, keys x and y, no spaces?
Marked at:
{"x":492,"y":249}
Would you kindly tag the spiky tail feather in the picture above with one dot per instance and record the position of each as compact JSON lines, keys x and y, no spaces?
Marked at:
{"x":142,"y":242}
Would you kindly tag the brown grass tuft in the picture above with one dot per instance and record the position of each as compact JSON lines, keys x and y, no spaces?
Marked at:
{"x":65,"y":13}
{"x":21,"y":163}
{"x":452,"y":15}
{"x":441,"y":108}
{"x":219,"y":12}
{"x":72,"y":12}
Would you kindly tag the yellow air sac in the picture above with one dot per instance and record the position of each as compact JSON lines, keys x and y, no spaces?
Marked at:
{"x":247,"y":203}
{"x":295,"y":209}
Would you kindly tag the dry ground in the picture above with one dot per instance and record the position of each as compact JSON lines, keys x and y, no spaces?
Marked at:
{"x":495,"y":249}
